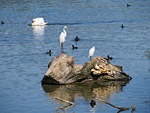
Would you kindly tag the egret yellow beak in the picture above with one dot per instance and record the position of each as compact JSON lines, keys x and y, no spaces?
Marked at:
{"x":66,"y":26}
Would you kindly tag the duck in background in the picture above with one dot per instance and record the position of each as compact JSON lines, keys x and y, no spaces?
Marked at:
{"x":109,"y":58}
{"x":73,"y":47}
{"x":2,"y":22}
{"x":122,"y":26}
{"x":77,"y":38}
{"x":92,"y":103}
{"x":128,"y":5}
{"x":49,"y":52}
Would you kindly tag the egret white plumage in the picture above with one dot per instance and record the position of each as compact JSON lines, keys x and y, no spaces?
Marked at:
{"x":38,"y":22}
{"x":62,"y":36}
{"x":91,"y":52}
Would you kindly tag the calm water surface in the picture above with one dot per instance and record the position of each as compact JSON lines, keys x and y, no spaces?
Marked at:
{"x":23,"y":61}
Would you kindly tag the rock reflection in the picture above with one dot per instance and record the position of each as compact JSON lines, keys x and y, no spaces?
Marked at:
{"x":87,"y":91}
{"x":147,"y":53}
{"x":38,"y":32}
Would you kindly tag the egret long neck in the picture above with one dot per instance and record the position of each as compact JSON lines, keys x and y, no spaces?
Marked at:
{"x":64,"y":30}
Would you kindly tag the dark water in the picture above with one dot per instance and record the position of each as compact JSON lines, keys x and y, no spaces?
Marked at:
{"x":23,"y":61}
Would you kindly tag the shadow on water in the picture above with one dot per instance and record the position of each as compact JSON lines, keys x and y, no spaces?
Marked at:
{"x":87,"y":91}
{"x":87,"y":23}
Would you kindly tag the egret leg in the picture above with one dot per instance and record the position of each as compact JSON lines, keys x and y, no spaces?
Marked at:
{"x":90,"y":58}
{"x":61,"y":45}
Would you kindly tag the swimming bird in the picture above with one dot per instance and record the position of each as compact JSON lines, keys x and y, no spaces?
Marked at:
{"x":91,"y":52}
{"x":49,"y":52}
{"x":109,"y":58}
{"x":92,"y":103}
{"x":73,"y":47}
{"x":62,"y":36}
{"x":128,"y":5}
{"x":38,"y":22}
{"x":77,"y":38}
{"x":122,"y":26}
{"x":2,"y":22}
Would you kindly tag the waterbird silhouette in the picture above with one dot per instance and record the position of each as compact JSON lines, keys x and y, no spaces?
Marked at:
{"x":122,"y":26}
{"x":92,"y":103}
{"x":73,"y":47}
{"x":2,"y":22}
{"x":128,"y":5}
{"x":109,"y":58}
{"x":77,"y":38}
{"x":49,"y":52}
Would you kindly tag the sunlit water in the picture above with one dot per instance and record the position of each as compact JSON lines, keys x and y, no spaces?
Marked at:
{"x":23,"y":61}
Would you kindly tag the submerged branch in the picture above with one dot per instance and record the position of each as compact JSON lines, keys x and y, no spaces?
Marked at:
{"x":121,"y":108}
{"x":68,"y":102}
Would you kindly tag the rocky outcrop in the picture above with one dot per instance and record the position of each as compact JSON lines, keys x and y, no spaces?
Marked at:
{"x":63,"y":70}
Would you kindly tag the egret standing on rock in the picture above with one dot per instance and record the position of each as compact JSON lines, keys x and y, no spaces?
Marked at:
{"x":91,"y":52}
{"x":62,"y":36}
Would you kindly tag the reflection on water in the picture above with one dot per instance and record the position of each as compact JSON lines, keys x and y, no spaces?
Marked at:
{"x":147,"y":53}
{"x":38,"y":32}
{"x":87,"y":91}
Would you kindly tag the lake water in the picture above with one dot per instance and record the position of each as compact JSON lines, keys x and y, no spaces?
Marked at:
{"x":23,"y":61}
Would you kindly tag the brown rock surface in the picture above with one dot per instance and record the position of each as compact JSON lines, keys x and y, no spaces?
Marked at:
{"x":63,"y":70}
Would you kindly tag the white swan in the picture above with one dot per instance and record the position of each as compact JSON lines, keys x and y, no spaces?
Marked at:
{"x":38,"y":21}
{"x":91,"y":52}
{"x":62,"y":36}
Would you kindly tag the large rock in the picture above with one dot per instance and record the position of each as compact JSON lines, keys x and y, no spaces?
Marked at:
{"x":63,"y":70}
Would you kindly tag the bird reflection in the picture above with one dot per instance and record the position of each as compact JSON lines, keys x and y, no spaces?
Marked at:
{"x":38,"y":32}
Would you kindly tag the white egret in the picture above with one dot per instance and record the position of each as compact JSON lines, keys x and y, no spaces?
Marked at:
{"x":91,"y":52}
{"x":62,"y":36}
{"x":38,"y":22}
